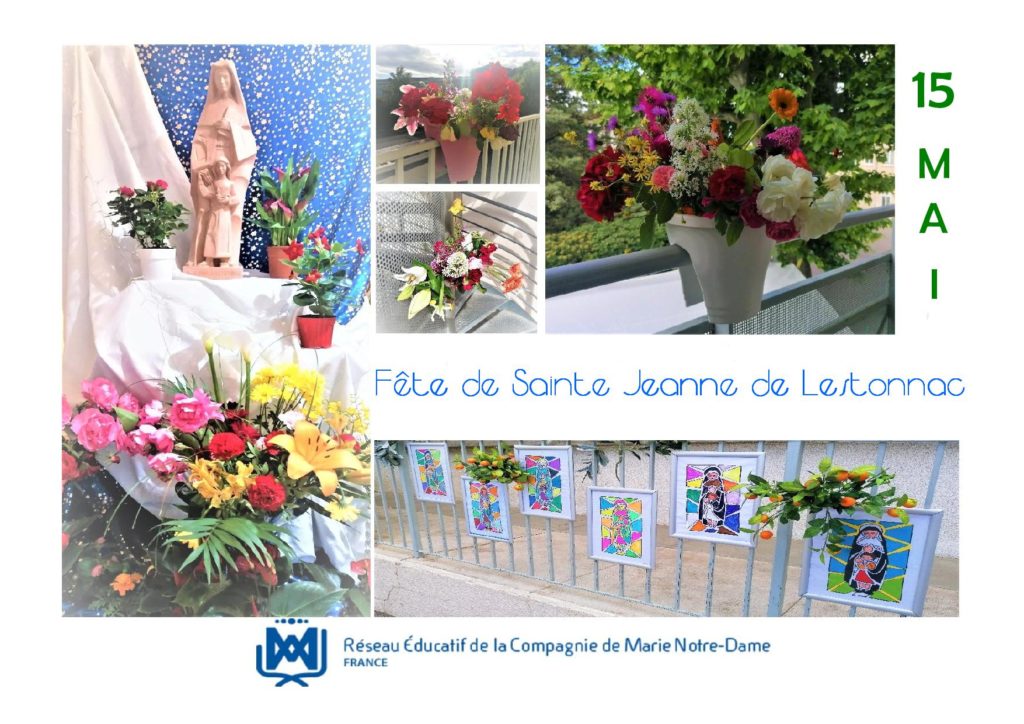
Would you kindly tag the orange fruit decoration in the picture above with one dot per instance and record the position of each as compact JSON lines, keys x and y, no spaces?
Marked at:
{"x":847,"y":502}
{"x":766,"y":534}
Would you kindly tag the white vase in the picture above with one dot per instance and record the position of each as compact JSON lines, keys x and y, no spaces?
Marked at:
{"x":731,"y":277}
{"x":158,"y":264}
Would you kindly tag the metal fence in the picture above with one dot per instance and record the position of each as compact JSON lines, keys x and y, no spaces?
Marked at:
{"x":696,"y":579}
{"x":854,"y":299}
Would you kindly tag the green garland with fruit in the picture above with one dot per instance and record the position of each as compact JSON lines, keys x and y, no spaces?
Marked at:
{"x":487,"y":467}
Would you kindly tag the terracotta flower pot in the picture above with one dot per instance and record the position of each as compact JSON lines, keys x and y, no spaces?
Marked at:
{"x":276,"y":258}
{"x":316,"y":332}
{"x":731,"y":277}
{"x":461,"y":157}
{"x":158,"y":264}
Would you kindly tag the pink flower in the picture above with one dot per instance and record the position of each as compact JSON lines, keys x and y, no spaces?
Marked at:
{"x":749,"y":213}
{"x":188,"y":414}
{"x":65,"y":410}
{"x":158,"y":185}
{"x":101,"y":392}
{"x":94,"y":429}
{"x":662,"y":177}
{"x":135,"y":442}
{"x":162,"y":438}
{"x":97,"y":570}
{"x":781,"y":231}
{"x":126,"y":191}
{"x":166,"y":464}
{"x":129,"y":402}
{"x":152,"y":413}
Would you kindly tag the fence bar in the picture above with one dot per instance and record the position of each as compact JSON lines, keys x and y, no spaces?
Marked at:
{"x":444,"y":534}
{"x":458,"y":533}
{"x":709,"y":589}
{"x":933,"y":481}
{"x":426,"y":526}
{"x":476,"y":543}
{"x":622,"y":474}
{"x":394,"y":489}
{"x":384,"y":505}
{"x":572,"y":526}
{"x":784,"y":535}
{"x":410,"y":510}
{"x":853,"y":612}
{"x":551,"y":552}
{"x":651,"y":451}
{"x":679,"y":573}
{"x":748,"y":580}
{"x":511,"y":545}
{"x":593,"y":474}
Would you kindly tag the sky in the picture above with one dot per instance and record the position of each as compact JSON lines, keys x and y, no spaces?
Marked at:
{"x":427,"y":61}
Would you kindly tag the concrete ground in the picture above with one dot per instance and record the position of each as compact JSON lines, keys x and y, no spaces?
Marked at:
{"x":450,"y":583}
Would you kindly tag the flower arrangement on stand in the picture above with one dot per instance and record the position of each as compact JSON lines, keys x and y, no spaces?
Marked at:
{"x":456,"y":116}
{"x":151,"y":220}
{"x":487,"y":467}
{"x":284,"y":211}
{"x":320,"y":282}
{"x":829,"y":490}
{"x":240,"y":472}
{"x":457,"y":268}
{"x":727,"y":194}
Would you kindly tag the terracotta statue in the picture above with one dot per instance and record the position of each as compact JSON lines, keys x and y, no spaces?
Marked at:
{"x":223,"y":156}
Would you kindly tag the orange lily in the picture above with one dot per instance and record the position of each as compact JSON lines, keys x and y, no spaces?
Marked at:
{"x":311,"y":451}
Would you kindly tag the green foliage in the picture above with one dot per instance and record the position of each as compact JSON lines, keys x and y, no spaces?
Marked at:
{"x":304,"y":598}
{"x":320,"y":280}
{"x":287,"y":192}
{"x":149,"y":216}
{"x":528,"y":77}
{"x":220,"y":540}
{"x":388,"y":452}
{"x":487,"y":467}
{"x":594,"y":240}
{"x":847,"y":115}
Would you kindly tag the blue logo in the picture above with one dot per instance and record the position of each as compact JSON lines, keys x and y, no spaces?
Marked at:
{"x":293,"y":657}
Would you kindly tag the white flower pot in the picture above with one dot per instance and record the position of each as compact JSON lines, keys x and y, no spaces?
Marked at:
{"x":731,"y":277}
{"x":158,"y":264}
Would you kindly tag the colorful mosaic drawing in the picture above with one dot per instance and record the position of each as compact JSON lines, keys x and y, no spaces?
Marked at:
{"x":712,"y":498}
{"x":546,"y":493}
{"x":428,"y":463}
{"x":873,"y":559}
{"x":486,"y":507}
{"x":622,"y":526}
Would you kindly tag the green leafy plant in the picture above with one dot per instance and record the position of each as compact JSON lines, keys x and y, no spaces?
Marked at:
{"x":318,"y":277}
{"x":285,"y":208}
{"x":487,"y":467}
{"x":829,"y":491}
{"x":149,"y":216}
{"x":218,"y":542}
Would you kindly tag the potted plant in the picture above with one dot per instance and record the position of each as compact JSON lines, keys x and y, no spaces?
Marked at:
{"x":829,"y":490}
{"x":151,"y":220}
{"x":284,"y":211}
{"x":457,"y":117}
{"x":319,"y":282}
{"x":726,"y":194}
{"x":456,"y":270}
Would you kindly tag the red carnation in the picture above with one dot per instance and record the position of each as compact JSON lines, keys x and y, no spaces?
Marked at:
{"x":266,"y":494}
{"x":436,"y":111}
{"x":244,"y":430}
{"x":68,"y":467}
{"x":226,"y":445}
{"x":780,"y":231}
{"x":728,"y":184}
{"x":599,"y":194}
{"x":490,"y":83}
{"x":268,"y":442}
{"x":293,"y":251}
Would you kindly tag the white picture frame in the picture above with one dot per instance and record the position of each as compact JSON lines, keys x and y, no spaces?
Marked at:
{"x":495,"y":522}
{"x":693,"y":489}
{"x":906,"y":558}
{"x":609,"y":511}
{"x":553,"y":465}
{"x":440,"y":488}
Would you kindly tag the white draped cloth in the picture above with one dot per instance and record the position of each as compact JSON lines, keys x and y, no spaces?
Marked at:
{"x":136,"y":332}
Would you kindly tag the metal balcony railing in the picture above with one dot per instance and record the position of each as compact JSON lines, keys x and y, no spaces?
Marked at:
{"x":856,"y":298}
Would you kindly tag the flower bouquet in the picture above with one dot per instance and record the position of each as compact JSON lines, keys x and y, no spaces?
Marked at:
{"x":487,"y":467}
{"x":151,"y":220}
{"x":457,"y":116}
{"x":284,"y":211}
{"x":726,"y":194}
{"x":455,"y":271}
{"x":829,"y":490}
{"x":241,"y":473}
{"x":320,"y":281}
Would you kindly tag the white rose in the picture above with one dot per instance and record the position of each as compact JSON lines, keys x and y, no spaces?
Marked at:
{"x":824,"y":214}
{"x":779,"y":200}
{"x":476,"y":263}
{"x":776,"y":167}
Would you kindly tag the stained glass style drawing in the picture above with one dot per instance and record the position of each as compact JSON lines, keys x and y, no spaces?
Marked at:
{"x":873,"y":560}
{"x":713,"y":500}
{"x":552,"y":492}
{"x":431,"y":472}
{"x":487,"y":514}
{"x":546,"y":493}
{"x":622,"y":526}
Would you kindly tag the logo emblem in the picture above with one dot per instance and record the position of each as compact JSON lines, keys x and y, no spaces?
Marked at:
{"x":293,"y":657}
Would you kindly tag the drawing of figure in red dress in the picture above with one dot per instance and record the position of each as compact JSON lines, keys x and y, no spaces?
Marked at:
{"x":868,"y":561}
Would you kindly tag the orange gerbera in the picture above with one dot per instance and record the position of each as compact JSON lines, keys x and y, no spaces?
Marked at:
{"x":124,"y":582}
{"x":784,"y":103}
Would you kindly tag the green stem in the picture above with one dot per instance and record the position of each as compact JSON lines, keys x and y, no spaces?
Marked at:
{"x":213,"y":375}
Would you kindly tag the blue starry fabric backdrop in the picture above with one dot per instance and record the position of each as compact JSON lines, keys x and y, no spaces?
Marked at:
{"x":303,"y":102}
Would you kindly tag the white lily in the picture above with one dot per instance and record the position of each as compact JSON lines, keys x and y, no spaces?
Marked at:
{"x":412,"y":276}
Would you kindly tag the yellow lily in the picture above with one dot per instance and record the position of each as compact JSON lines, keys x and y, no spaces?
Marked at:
{"x":310,"y":451}
{"x":457,"y":207}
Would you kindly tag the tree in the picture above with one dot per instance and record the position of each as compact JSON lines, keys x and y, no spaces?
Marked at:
{"x":388,"y":96}
{"x":846,"y":94}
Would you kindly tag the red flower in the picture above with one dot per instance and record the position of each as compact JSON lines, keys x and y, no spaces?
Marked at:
{"x":293,"y":251}
{"x":490,"y":83}
{"x":325,"y":242}
{"x":799,"y":159}
{"x":509,"y":110}
{"x":266,"y":494}
{"x":360,"y":249}
{"x":728,"y":184}
{"x":268,"y":442}
{"x":599,"y":194}
{"x":313,"y":277}
{"x":158,"y":185}
{"x":65,"y":539}
{"x":226,"y":445}
{"x":780,"y":231}
{"x":436,"y":111}
{"x":267,"y":573}
{"x":126,"y":191}
{"x":244,"y":430}
{"x":68,"y":467}
{"x":749,"y":213}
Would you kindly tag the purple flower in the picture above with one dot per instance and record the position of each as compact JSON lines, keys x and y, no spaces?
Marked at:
{"x":782,"y":141}
{"x":591,"y":140}
{"x":612,"y":124}
{"x":654,"y":103}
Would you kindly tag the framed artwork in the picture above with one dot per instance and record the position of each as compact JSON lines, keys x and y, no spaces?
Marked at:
{"x":431,"y":471}
{"x":487,"y":509}
{"x":706,"y":500}
{"x":553,"y":493}
{"x":621,"y":525}
{"x":883,"y":564}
